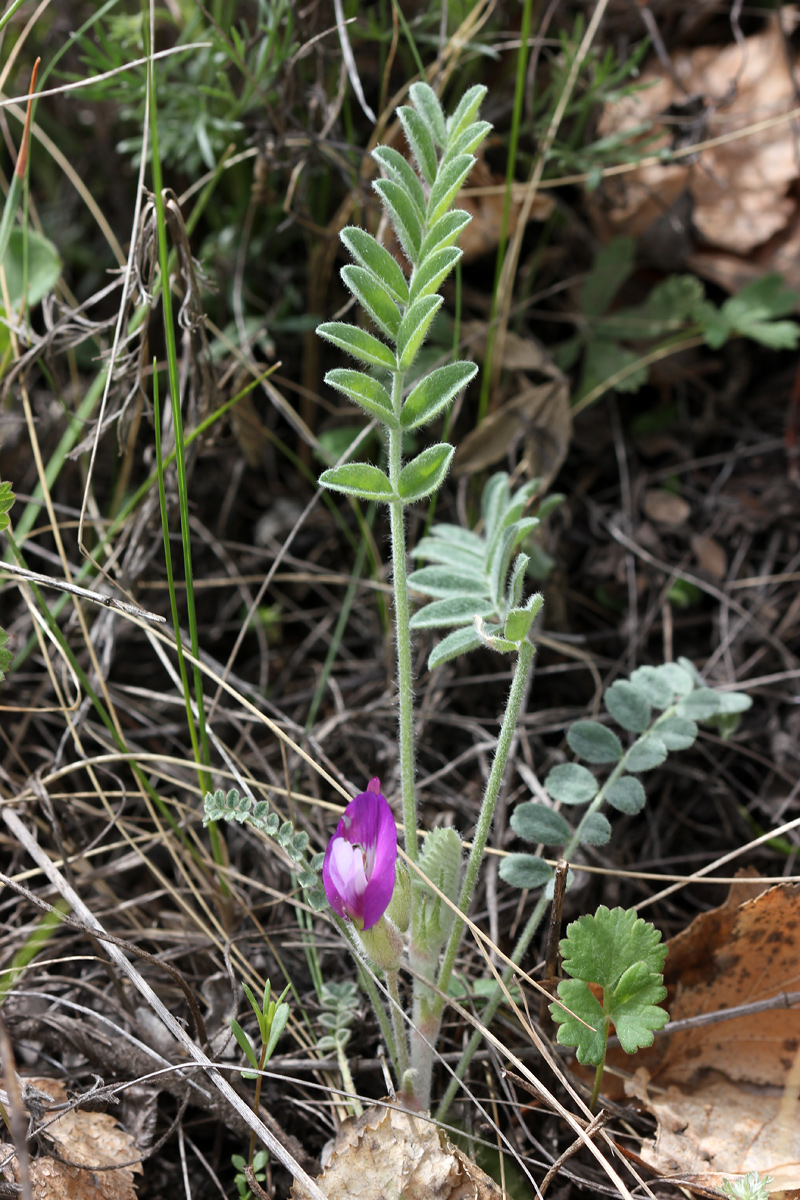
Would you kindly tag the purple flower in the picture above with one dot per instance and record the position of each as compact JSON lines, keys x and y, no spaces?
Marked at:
{"x":358,"y":871}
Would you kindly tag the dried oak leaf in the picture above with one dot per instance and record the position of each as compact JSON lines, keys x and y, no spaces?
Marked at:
{"x":725,"y":1094}
{"x":386,"y":1154}
{"x":90,"y":1138}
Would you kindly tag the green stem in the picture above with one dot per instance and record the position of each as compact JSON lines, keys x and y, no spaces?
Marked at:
{"x":402,"y":614}
{"x":397,"y":1024}
{"x":347,"y":1081}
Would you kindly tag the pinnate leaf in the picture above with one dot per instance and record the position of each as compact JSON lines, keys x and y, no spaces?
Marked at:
{"x":373,"y":298}
{"x":460,"y":641}
{"x":448,"y":184}
{"x":677,"y":733}
{"x":364,"y":391}
{"x":702,"y":704}
{"x":442,"y":581}
{"x":358,"y":479}
{"x":420,"y":142}
{"x":646,"y":753}
{"x":432,"y":271}
{"x":594,"y":742}
{"x":455,"y":610}
{"x":403,"y":215}
{"x":358,"y":343}
{"x":400,"y":171}
{"x":594,"y":830}
{"x":444,"y":232}
{"x":626,"y":795}
{"x":375,"y":258}
{"x":426,"y":102}
{"x":466,"y":110}
{"x":570,"y":783}
{"x":433,"y":393}
{"x":425,"y":473}
{"x":414,"y":328}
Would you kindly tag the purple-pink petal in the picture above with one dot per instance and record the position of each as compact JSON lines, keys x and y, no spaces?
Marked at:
{"x":359,"y":868}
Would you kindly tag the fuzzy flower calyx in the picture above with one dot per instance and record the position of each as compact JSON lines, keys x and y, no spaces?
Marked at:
{"x":359,"y":868}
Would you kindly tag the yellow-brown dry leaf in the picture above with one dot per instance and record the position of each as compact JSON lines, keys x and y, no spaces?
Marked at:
{"x":740,"y":187}
{"x":710,"y":555}
{"x":386,"y":1154}
{"x":665,"y":507}
{"x":82,"y":1137}
{"x":726,"y":1094}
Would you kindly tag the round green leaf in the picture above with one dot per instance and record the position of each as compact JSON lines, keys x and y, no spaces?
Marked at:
{"x":594,"y":830}
{"x":525,"y":871}
{"x":700,"y":705}
{"x":425,"y":473}
{"x":654,"y":686}
{"x":594,"y":742}
{"x":678,"y":679}
{"x":677,"y":733}
{"x":570,"y":783}
{"x":628,"y":706}
{"x":538,"y":823}
{"x":646,"y":753}
{"x":626,"y":795}
{"x":733,"y":702}
{"x":358,"y":479}
{"x":32,"y":267}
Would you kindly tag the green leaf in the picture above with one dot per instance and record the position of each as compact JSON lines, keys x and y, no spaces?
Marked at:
{"x":612,"y":267}
{"x":731,"y":702}
{"x":244,"y":1043}
{"x":654,"y":686}
{"x":400,"y":171}
{"x":456,"y":610}
{"x":600,"y":948}
{"x":433,"y":393}
{"x":570,"y":783}
{"x":468,"y":140}
{"x":443,"y":232}
{"x":777,"y":335}
{"x":441,"y":582}
{"x":626,"y":795}
{"x":594,"y":830}
{"x":373,"y":298}
{"x":432,"y":270}
{"x":6,"y":657}
{"x":7,"y":499}
{"x":448,"y":184}
{"x":700,"y":705}
{"x":414,"y":329}
{"x":425,"y":473}
{"x":420,"y":142}
{"x":403,"y":215}
{"x":425,"y":100}
{"x":646,"y":753}
{"x":433,"y":549}
{"x":359,"y":343}
{"x":466,"y":111}
{"x":460,"y":641}
{"x":538,"y":823}
{"x":593,"y":742}
{"x":633,"y":1007}
{"x":605,"y":361}
{"x":358,"y":479}
{"x":628,"y":706}
{"x":279,"y":1019}
{"x":525,"y":871}
{"x":43,"y":267}
{"x":460,"y":537}
{"x":679,"y":679}
{"x":376,"y":258}
{"x":677,"y":733}
{"x":590,"y":1043}
{"x":364,"y":391}
{"x":519,"y":620}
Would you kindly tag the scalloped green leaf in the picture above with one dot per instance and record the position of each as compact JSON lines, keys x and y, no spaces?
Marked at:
{"x":677,"y":733}
{"x":434,"y":392}
{"x":525,"y":871}
{"x":594,"y":742}
{"x":358,"y":479}
{"x":646,"y":753}
{"x":600,"y":948}
{"x":570,"y":783}
{"x":373,"y":298}
{"x":447,"y":185}
{"x":420,"y":142}
{"x":594,"y":830}
{"x":626,"y":795}
{"x":359,"y":344}
{"x":460,"y":641}
{"x":432,"y":271}
{"x":414,"y":328}
{"x":403,"y":215}
{"x":589,"y":1043}
{"x":400,"y":171}
{"x":374,"y":257}
{"x":364,"y":391}
{"x":539,"y":824}
{"x":628,"y":706}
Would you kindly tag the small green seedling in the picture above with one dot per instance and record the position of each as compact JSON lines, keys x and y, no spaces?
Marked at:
{"x":749,"y":1187}
{"x":621,"y":955}
{"x":272,"y":1016}
{"x":260,"y":1161}
{"x":6,"y":501}
{"x":340,"y":1003}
